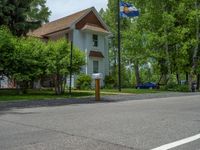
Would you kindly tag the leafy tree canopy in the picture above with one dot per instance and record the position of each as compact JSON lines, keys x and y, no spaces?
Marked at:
{"x":23,"y":15}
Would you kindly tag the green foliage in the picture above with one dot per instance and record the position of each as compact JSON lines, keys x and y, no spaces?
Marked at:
{"x":21,"y":58}
{"x":176,"y":87}
{"x":126,"y":78}
{"x":110,"y":82}
{"x":57,"y":58}
{"x":166,"y":35}
{"x":11,"y":95}
{"x":27,"y":59}
{"x":23,"y":15}
{"x":83,"y":82}
{"x":57,"y":62}
{"x":6,"y":51}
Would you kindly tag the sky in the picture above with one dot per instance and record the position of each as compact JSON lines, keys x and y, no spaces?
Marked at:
{"x":62,"y":8}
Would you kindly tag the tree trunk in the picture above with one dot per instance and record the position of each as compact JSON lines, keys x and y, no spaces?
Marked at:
{"x":22,"y":87}
{"x":64,"y":84}
{"x":19,"y":92}
{"x":198,"y":81}
{"x":57,"y":85}
{"x":137,"y":73}
{"x":37,"y":84}
{"x":178,"y":78}
{"x":186,"y":77}
{"x":167,"y":58}
{"x":190,"y":83}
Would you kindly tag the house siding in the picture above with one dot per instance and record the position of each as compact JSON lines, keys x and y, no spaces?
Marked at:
{"x":83,"y":40}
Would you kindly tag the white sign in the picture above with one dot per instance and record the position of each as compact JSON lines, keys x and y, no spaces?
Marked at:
{"x":97,"y":76}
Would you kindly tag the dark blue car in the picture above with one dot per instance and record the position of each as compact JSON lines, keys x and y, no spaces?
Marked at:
{"x":147,"y":85}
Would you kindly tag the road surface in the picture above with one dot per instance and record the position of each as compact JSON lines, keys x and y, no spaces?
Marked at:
{"x":156,"y":123}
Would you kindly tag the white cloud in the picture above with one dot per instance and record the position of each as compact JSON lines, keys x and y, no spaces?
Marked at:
{"x":62,"y":8}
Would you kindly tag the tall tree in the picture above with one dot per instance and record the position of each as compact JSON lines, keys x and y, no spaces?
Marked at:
{"x":6,"y":51}
{"x":23,"y":15}
{"x":135,"y":50}
{"x":171,"y":31}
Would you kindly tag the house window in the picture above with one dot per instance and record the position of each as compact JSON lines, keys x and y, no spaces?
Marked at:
{"x":95,"y":40}
{"x":95,"y":66}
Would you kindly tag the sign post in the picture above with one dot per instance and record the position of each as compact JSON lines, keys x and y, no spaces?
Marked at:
{"x":97,"y":77}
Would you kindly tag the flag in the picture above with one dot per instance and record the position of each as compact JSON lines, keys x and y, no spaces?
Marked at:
{"x":128,"y":10}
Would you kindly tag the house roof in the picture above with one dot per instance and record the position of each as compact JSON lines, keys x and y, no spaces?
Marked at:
{"x":92,"y":27}
{"x":63,"y":23}
{"x":96,"y":54}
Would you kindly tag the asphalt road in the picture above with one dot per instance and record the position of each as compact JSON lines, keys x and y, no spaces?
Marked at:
{"x":123,"y":125}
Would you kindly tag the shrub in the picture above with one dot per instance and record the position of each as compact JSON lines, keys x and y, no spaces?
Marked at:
{"x":109,"y":81}
{"x":176,"y":87}
{"x":183,"y":88}
{"x":83,"y":82}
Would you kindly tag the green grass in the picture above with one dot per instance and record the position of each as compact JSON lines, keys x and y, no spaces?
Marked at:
{"x":125,"y":91}
{"x":132,"y":91}
{"x":11,"y":95}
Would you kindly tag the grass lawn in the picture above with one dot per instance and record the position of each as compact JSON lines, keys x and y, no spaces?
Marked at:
{"x":11,"y":95}
{"x":125,"y":91}
{"x":131,"y":91}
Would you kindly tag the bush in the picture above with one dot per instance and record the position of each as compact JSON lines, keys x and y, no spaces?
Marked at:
{"x":183,"y":88}
{"x":109,"y":82}
{"x":175,"y":87}
{"x":83,"y":82}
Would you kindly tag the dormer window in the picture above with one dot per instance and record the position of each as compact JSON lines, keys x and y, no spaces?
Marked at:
{"x":95,"y":40}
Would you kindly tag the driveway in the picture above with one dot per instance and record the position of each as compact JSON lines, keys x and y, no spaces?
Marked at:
{"x":117,"y":123}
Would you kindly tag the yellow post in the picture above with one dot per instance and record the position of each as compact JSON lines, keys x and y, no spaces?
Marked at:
{"x":97,"y":77}
{"x":97,"y":89}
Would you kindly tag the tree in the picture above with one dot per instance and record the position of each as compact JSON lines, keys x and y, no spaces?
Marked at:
{"x":133,"y":49}
{"x":194,"y":20}
{"x":28,"y":58}
{"x":21,"y":58}
{"x":23,"y":15}
{"x":57,"y":58}
{"x":6,"y":51}
{"x":110,"y":17}
{"x":170,"y":34}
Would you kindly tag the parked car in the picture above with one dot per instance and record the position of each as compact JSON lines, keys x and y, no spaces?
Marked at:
{"x":147,"y":85}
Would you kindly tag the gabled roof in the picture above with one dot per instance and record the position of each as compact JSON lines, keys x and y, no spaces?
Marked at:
{"x":64,"y":23}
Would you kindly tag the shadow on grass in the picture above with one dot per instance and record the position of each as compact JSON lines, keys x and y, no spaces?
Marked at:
{"x":49,"y":99}
{"x":8,"y":95}
{"x":9,"y":99}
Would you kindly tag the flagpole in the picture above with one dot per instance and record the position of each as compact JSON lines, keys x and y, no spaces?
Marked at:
{"x":119,"y":48}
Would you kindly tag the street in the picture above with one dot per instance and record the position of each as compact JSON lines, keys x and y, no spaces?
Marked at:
{"x":123,"y":125}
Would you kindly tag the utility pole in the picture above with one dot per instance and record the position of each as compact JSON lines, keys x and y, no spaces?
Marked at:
{"x":119,"y":47}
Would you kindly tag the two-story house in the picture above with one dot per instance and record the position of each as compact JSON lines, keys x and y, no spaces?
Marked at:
{"x":88,"y":32}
